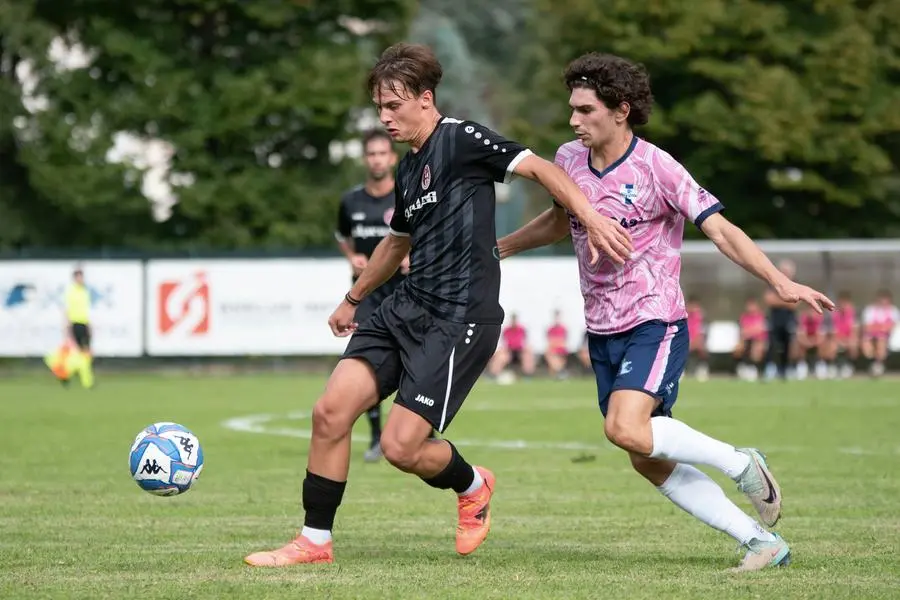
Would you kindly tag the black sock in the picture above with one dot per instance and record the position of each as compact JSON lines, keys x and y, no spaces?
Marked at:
{"x":321,"y":498}
{"x":374,"y":415}
{"x":458,"y":475}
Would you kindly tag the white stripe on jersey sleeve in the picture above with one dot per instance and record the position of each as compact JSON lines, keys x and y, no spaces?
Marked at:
{"x":449,"y":120}
{"x":339,"y":237}
{"x":399,"y":233}
{"x":511,"y":168}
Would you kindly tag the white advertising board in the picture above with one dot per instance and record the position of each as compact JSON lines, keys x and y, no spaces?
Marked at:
{"x":534,"y":288}
{"x":244,"y":307}
{"x":32,"y":318}
{"x":281,"y":306}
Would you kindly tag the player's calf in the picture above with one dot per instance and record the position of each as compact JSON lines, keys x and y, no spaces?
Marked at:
{"x":654,"y":470}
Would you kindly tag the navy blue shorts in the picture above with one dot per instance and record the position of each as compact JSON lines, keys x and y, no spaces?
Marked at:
{"x":649,"y":358}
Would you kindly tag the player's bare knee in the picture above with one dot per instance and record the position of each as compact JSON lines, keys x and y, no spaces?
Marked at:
{"x":330,"y":420}
{"x":625,"y":435}
{"x":403,"y":454}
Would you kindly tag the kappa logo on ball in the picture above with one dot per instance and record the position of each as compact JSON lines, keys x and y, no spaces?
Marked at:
{"x":184,"y":306}
{"x":426,"y":177}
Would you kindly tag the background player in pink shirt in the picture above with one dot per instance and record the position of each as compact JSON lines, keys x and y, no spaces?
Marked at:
{"x":843,"y":337}
{"x":751,"y":348}
{"x":635,"y":312}
{"x":513,"y":351}
{"x":696,"y":324}
{"x":557,"y":353}
{"x":879,"y":320}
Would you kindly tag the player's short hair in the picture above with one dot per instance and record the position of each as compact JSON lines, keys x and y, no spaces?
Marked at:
{"x":615,"y":80}
{"x":376,"y":134}
{"x":884,"y":293}
{"x":409,"y":68}
{"x":845,"y":295}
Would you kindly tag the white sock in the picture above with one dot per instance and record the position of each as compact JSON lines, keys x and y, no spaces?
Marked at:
{"x":476,"y":483}
{"x":698,"y":495}
{"x":316,"y":536}
{"x":675,"y":441}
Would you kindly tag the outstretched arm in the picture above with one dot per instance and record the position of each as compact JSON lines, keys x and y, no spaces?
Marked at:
{"x":737,"y":246}
{"x":547,"y":228}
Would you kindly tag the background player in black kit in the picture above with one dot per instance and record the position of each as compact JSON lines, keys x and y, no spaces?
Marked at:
{"x":431,"y":340}
{"x":782,"y":329}
{"x":364,"y":219}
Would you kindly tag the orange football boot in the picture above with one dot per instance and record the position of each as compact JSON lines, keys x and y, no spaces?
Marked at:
{"x":300,"y":551}
{"x":475,"y":515}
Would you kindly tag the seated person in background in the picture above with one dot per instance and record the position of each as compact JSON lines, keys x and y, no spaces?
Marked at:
{"x":844,"y":335}
{"x":811,"y":338}
{"x":751,"y":348}
{"x":696,"y":324}
{"x":513,"y":350}
{"x":879,"y":320}
{"x":557,"y":353}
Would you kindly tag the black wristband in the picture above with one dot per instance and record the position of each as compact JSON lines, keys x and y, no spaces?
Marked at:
{"x":351,"y":300}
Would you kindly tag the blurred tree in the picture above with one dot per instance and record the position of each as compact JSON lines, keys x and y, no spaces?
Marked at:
{"x":786,"y":111}
{"x":249,"y":95}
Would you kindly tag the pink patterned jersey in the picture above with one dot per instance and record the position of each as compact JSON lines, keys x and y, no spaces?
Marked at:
{"x":695,"y":321}
{"x":844,"y":320}
{"x":879,"y":321}
{"x":651,"y":195}
{"x":753,"y":325}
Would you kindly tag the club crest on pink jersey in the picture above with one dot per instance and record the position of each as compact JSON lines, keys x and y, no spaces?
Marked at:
{"x":629,"y":194}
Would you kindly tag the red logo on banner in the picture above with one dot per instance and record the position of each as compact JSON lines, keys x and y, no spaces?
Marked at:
{"x":184,"y":306}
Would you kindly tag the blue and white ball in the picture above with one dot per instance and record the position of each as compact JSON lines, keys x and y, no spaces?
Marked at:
{"x":166,"y":459}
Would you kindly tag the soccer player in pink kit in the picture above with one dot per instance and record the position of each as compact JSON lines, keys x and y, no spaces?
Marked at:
{"x":635,"y":312}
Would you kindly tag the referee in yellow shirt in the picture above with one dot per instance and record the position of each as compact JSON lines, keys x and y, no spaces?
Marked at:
{"x":78,"y":312}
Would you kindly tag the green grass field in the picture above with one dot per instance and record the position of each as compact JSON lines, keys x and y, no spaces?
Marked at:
{"x":74,"y":525}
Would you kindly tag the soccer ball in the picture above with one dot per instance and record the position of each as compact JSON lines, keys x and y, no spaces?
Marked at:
{"x":166,"y":459}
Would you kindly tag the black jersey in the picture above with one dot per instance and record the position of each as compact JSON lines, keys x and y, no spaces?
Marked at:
{"x":445,"y":201}
{"x":364,"y":219}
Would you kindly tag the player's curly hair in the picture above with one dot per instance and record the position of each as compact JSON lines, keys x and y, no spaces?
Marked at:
{"x":615,"y":80}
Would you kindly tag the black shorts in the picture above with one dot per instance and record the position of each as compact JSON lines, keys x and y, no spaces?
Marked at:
{"x":371,"y":302}
{"x":81,"y":333}
{"x":431,"y":363}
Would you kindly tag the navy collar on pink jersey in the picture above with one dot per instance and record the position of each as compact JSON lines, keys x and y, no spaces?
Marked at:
{"x":600,"y":174}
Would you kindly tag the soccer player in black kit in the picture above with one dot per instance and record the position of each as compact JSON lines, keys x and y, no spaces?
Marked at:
{"x":364,"y":219}
{"x":782,"y":329}
{"x":431,"y":340}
